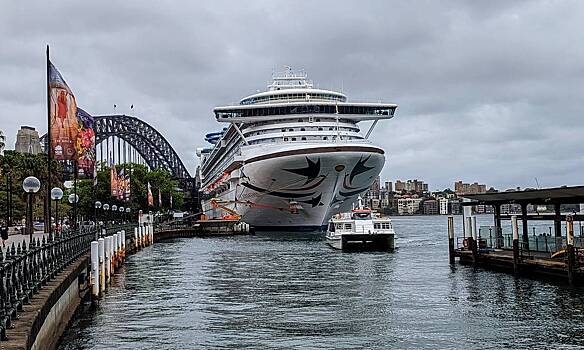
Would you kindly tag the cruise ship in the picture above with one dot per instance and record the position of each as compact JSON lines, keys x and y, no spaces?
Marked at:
{"x":290,"y":157}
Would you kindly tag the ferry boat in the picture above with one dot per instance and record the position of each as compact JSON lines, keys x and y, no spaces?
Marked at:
{"x":360,"y":229}
{"x":290,"y":157}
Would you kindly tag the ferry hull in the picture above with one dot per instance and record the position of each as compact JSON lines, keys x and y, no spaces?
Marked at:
{"x":301,"y":190}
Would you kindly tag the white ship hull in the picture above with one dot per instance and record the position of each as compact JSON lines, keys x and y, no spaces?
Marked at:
{"x":323,"y":179}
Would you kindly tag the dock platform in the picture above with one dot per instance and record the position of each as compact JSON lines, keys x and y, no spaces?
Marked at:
{"x":558,"y":256}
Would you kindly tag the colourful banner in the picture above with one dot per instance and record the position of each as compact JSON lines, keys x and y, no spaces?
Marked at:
{"x":85,"y":145}
{"x":120,"y":184}
{"x":62,"y":117}
{"x":150,"y":198}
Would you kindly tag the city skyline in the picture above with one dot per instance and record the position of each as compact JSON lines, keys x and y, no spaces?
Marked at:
{"x":474,"y":86}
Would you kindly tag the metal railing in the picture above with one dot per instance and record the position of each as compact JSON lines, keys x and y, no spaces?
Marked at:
{"x":26,"y":268}
{"x":543,"y":242}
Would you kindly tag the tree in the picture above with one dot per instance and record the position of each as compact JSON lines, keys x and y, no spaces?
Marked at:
{"x":2,"y":141}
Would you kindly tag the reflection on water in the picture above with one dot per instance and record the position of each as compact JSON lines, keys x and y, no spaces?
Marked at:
{"x":274,"y":291}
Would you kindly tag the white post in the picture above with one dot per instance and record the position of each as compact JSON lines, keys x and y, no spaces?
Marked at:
{"x":112,"y":261}
{"x":515,"y":227}
{"x":124,"y":244}
{"x":569,"y":230}
{"x":151,"y":234}
{"x":101,"y":253}
{"x":468,"y":226}
{"x":475,"y":233}
{"x":95,"y":269}
{"x":136,"y":229}
{"x":114,"y":251}
{"x":108,"y":265}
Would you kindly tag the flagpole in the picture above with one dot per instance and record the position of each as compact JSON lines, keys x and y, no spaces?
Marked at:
{"x":49,"y":158}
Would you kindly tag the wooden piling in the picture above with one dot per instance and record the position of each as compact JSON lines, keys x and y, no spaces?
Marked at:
{"x":451,"y":239}
{"x":571,"y":254}
{"x":516,"y":260}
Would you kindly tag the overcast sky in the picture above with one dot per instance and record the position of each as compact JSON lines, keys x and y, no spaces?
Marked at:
{"x":488,"y":91}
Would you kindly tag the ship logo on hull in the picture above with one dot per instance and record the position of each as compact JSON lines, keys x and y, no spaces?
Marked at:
{"x":311,"y":171}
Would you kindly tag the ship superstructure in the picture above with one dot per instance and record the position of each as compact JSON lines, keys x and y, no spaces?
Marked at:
{"x":291,"y":156}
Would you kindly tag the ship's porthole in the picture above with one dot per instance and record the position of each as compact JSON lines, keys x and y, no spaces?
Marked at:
{"x":339,"y":168}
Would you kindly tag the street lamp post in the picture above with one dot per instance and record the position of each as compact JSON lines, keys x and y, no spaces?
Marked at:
{"x":121,"y":214}
{"x":114,"y":211}
{"x":97,"y":207}
{"x":56,"y":195}
{"x":73,"y":199}
{"x":31,"y":185}
{"x":106,"y":209}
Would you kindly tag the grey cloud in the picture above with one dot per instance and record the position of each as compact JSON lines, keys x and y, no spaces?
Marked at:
{"x":487,"y":91}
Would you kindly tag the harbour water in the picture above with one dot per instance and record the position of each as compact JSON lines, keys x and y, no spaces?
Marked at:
{"x":294,"y":292}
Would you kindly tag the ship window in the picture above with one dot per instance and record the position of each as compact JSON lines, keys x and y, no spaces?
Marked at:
{"x":304,"y":139}
{"x":319,"y":129}
{"x":347,"y":226}
{"x":317,"y":119}
{"x":302,"y":129}
{"x":283,"y":130}
{"x":285,"y":139}
{"x":300,"y":120}
{"x":331,"y":128}
{"x":290,"y":129}
{"x":377,"y":226}
{"x":293,"y":139}
{"x":325,"y":138}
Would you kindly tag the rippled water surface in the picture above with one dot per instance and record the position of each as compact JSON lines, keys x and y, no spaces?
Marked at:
{"x":291,"y":291}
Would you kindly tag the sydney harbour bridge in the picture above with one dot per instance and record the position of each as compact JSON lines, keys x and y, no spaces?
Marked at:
{"x":123,"y":139}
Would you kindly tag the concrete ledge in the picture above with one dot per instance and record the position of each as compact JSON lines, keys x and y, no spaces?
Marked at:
{"x":45,"y":318}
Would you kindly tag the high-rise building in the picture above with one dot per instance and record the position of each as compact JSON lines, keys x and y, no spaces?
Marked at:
{"x":416,"y":186}
{"x":408,"y":206}
{"x":430,"y":207}
{"x":373,"y":196}
{"x":27,"y":140}
{"x":444,"y":207}
{"x":461,"y":188}
{"x":388,"y":186}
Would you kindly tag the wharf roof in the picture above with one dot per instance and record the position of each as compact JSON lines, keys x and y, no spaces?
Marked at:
{"x":560,"y":195}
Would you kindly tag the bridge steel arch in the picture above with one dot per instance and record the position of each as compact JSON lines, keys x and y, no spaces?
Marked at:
{"x":148,"y":142}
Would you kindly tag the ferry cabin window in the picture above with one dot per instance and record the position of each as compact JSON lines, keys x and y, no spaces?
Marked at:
{"x":361,"y":216}
{"x":303,"y":139}
{"x":293,"y":139}
{"x":377,"y":226}
{"x":386,"y":225}
{"x":347,"y":226}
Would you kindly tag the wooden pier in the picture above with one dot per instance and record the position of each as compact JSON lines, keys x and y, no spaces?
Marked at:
{"x":558,"y":256}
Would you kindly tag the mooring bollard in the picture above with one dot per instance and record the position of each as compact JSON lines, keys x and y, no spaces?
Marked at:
{"x":114,"y":251}
{"x":123,"y":245}
{"x":136,"y":229}
{"x":451,"y":238}
{"x":95,"y":269}
{"x":108,"y":262}
{"x":570,"y":249}
{"x":515,"y":228}
{"x":112,"y":267}
{"x":101,"y":247}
